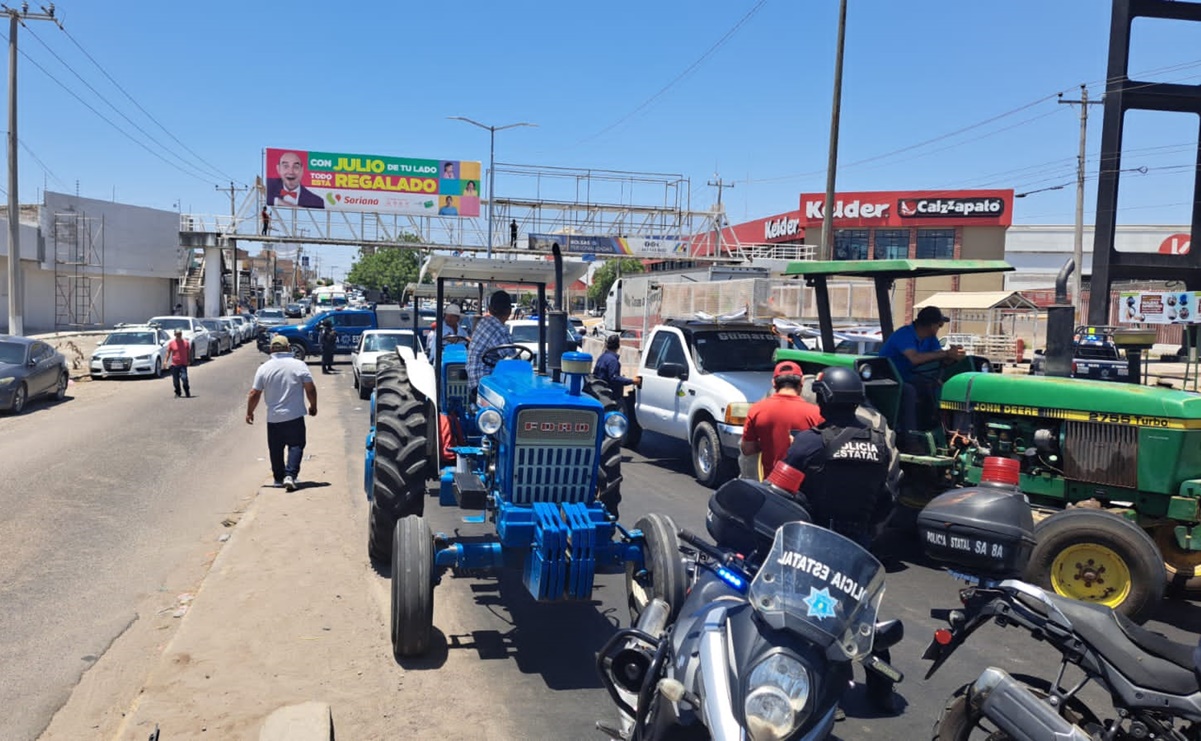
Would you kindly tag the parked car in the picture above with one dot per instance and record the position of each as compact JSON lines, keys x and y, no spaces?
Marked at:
{"x":131,"y":351}
{"x":372,"y":344}
{"x":243,"y":328}
{"x":270,"y":318}
{"x":223,"y":340}
{"x":233,"y":327}
{"x":293,"y":311}
{"x":193,"y":331}
{"x":1094,"y":355}
{"x":576,"y":325}
{"x":28,"y":369}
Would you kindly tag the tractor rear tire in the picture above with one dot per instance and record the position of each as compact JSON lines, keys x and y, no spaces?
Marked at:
{"x":662,"y":574}
{"x":379,"y":533}
{"x":608,"y":474}
{"x":1183,"y":567}
{"x":412,"y":587}
{"x":1079,"y":550}
{"x":399,"y":479}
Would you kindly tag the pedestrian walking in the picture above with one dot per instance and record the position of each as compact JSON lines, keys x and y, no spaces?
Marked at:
{"x":179,"y":354}
{"x":266,"y":217}
{"x":329,"y":342}
{"x":283,"y":382}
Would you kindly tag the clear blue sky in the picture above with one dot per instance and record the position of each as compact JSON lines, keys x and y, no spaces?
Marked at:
{"x":230,"y":78}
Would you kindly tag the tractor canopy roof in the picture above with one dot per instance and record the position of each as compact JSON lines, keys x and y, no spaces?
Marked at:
{"x":894,"y":269}
{"x":450,"y":291}
{"x":1076,"y":399}
{"x":502,"y":271}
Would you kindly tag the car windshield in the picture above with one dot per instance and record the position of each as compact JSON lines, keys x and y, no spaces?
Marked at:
{"x":293,"y":307}
{"x":170,"y":323}
{"x":822,"y":586}
{"x":12,"y":353}
{"x":385,"y":342}
{"x":131,"y":338}
{"x":271,"y":314}
{"x":212,"y":325}
{"x":735,"y":350}
{"x":524,"y":333}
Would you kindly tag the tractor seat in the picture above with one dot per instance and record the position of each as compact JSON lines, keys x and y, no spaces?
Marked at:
{"x":1148,"y":659}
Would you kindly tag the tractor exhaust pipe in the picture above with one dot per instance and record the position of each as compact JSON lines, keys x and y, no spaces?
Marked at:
{"x":556,"y":321}
{"x":1061,"y":319}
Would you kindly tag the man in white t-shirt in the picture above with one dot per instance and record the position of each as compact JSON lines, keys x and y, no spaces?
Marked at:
{"x":284,"y":381}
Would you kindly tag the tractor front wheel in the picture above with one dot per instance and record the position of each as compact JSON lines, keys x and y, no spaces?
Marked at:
{"x":1096,"y":556}
{"x":662,"y":574}
{"x":399,"y":475}
{"x":412,"y":587}
{"x":608,"y":473}
{"x":1183,"y":567}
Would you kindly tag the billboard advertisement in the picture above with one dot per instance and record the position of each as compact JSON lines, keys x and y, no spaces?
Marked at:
{"x":336,"y":181}
{"x":938,"y":208}
{"x":1158,"y":307}
{"x":614,"y":246}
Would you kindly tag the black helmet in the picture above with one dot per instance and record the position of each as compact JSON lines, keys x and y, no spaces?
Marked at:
{"x":838,"y":387}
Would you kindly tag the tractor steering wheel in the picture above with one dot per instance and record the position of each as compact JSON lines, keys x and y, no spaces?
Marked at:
{"x":490,"y":357}
{"x":453,"y":339}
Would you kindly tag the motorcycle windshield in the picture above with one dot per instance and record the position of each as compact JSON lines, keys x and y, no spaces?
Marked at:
{"x":822,"y":586}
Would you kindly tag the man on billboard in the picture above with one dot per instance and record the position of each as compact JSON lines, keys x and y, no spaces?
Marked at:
{"x":448,"y":207}
{"x":287,"y":190}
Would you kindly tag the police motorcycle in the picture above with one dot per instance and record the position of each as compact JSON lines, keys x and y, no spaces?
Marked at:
{"x":763,"y":645}
{"x":986,"y":534}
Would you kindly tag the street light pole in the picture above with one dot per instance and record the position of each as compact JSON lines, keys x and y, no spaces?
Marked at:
{"x":491,"y":162}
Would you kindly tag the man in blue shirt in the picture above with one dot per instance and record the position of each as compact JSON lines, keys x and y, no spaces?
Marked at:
{"x":915,"y":345}
{"x":608,"y":368}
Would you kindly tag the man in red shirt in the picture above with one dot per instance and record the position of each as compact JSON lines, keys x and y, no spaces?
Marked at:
{"x":178,"y":354}
{"x":771,"y":423}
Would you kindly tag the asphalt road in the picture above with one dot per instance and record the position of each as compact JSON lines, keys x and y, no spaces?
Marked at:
{"x":113,"y":497}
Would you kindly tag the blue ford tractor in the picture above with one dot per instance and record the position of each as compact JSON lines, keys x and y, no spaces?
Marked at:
{"x":536,"y":452}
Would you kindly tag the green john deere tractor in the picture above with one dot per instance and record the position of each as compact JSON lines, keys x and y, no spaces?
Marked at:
{"x":1114,"y":470}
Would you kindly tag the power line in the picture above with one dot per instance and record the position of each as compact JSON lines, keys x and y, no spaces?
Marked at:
{"x":147,"y":113}
{"x":43,"y":164}
{"x":687,"y":71}
{"x":109,"y":103}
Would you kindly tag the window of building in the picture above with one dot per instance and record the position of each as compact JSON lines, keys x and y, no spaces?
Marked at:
{"x":935,"y":244}
{"x":850,"y":244}
{"x":892,"y":244}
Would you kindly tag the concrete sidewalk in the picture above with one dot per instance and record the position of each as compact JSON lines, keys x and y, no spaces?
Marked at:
{"x":287,"y":614}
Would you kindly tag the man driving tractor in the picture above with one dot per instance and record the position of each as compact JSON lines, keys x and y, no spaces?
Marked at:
{"x":910,"y":348}
{"x":489,"y":332}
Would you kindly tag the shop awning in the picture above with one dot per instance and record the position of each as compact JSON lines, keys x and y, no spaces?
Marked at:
{"x":978,"y":300}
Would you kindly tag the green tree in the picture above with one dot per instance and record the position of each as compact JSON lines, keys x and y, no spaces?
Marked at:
{"x":394,"y":267}
{"x":602,"y":279}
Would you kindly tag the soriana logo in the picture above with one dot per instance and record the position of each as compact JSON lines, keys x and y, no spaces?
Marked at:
{"x":912,"y":208}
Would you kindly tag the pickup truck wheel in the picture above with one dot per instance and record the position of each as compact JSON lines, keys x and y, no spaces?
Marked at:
{"x":709,"y":466}
{"x":298,"y":351}
{"x":399,"y":478}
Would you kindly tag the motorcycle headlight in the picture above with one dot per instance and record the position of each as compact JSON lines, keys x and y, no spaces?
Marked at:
{"x":489,"y":421}
{"x":616,"y":425}
{"x":776,"y":699}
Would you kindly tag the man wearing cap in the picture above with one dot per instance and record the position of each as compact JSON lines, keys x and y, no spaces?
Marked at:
{"x":915,"y":345}
{"x":284,"y":382}
{"x":450,"y":327}
{"x":772,"y":422}
{"x":489,"y":332}
{"x":179,"y":354}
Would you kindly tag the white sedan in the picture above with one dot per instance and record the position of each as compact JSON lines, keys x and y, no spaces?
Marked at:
{"x":372,"y":344}
{"x":203,"y":347}
{"x":131,"y":351}
{"x":525,"y":332}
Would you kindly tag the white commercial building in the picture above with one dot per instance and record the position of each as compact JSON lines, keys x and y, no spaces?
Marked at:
{"x":1037,"y":252}
{"x":91,"y":263}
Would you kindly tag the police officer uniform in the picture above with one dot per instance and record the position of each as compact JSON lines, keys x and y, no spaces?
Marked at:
{"x":850,"y":476}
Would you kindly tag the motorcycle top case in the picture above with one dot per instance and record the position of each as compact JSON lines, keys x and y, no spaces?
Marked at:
{"x":985,"y":530}
{"x":744,"y":515}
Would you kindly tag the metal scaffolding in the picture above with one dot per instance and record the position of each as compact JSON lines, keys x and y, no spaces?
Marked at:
{"x":78,"y":244}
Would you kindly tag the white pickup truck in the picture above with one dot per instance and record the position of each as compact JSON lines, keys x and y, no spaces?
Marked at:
{"x":699,"y":379}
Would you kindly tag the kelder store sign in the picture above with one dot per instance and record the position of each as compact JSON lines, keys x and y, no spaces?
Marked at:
{"x":945,"y":208}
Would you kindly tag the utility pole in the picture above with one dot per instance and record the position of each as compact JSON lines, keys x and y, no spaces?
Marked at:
{"x":16,"y":287}
{"x":827,"y":245}
{"x":717,"y":222}
{"x":233,"y":215}
{"x":1078,"y":244}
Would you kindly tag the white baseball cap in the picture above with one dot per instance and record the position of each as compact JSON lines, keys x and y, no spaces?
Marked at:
{"x":452,"y":309}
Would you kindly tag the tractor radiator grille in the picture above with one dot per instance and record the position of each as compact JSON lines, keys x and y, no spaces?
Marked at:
{"x":553,"y":473}
{"x":456,"y":387}
{"x":1101,"y":453}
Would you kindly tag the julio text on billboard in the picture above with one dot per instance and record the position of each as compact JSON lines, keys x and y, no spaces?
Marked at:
{"x":298,"y":178}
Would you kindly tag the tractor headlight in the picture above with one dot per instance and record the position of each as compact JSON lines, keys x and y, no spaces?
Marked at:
{"x":776,"y":699}
{"x":489,"y":421}
{"x":616,"y":425}
{"x":865,"y":372}
{"x":736,"y":412}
